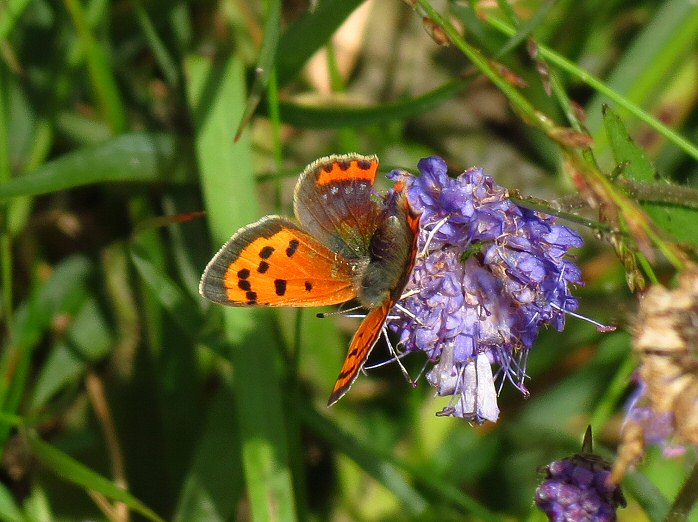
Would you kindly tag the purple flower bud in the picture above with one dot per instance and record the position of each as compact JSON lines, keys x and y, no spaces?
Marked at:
{"x":577,"y":488}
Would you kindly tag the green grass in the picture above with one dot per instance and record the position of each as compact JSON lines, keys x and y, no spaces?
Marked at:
{"x":124,"y":394}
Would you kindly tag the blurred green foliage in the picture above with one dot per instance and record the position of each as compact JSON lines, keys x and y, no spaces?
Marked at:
{"x":123,"y":394}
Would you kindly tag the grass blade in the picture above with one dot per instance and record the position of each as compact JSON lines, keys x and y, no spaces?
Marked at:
{"x":337,"y":117}
{"x":308,"y":34}
{"x":265,"y":62}
{"x":214,"y":484}
{"x":9,"y":510}
{"x":100,"y":69}
{"x":603,"y":89}
{"x":139,"y":157}
{"x":216,"y":96}
{"x":75,"y":472}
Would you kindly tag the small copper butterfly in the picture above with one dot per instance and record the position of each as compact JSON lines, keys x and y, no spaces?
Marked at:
{"x":347,"y":243}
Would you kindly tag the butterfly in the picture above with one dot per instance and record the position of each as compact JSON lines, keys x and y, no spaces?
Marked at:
{"x":345,"y":243}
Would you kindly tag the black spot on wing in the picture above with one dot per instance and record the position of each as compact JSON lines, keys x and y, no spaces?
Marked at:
{"x":280,"y":286}
{"x":263,"y":267}
{"x":364,"y":164}
{"x":244,"y":285}
{"x":244,"y":273}
{"x":292,"y":247}
{"x":266,"y":252}
{"x":308,"y":286}
{"x":251,"y":298}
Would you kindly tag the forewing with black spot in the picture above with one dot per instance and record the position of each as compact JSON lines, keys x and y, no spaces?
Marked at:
{"x":273,"y":262}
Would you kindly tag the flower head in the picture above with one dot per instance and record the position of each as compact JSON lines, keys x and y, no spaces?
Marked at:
{"x":578,"y":488}
{"x":664,"y":409}
{"x":488,"y":275}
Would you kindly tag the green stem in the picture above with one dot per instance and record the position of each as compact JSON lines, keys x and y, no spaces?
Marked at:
{"x":599,"y":186}
{"x":100,"y":70}
{"x":167,"y":64}
{"x":518,"y":102}
{"x":5,"y":174}
{"x":686,"y":499}
{"x":600,"y":87}
{"x":275,"y":120}
{"x":677,"y":195}
{"x":8,"y":358}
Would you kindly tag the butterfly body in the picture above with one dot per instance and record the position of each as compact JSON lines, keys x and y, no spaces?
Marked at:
{"x":390,"y":255}
{"x":347,"y":244}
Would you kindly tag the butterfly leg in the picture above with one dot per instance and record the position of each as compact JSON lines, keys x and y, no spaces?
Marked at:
{"x":397,"y":357}
{"x":430,"y":236}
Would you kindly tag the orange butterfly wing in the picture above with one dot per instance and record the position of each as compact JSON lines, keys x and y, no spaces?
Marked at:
{"x":273,"y":262}
{"x":334,"y":202}
{"x":361,"y":345}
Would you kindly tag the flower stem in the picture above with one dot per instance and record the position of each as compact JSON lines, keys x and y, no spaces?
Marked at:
{"x":686,"y":499}
{"x":596,"y":84}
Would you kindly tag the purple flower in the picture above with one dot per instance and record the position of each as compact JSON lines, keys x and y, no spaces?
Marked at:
{"x":488,"y":275}
{"x":578,"y":488}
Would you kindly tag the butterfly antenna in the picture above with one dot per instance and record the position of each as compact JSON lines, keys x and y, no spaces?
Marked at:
{"x":165,"y":221}
{"x":323,"y":315}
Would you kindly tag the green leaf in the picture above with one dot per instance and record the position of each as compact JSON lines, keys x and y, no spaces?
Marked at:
{"x":213,"y":486}
{"x":681,"y":222}
{"x":73,"y":471}
{"x":677,"y":220}
{"x":336,"y":117}
{"x":625,"y":152}
{"x":216,"y":97}
{"x":139,"y":157}
{"x":63,"y":293}
{"x":172,"y":298}
{"x":308,"y":34}
{"x":88,"y":341}
{"x":9,"y":511}
{"x":265,"y":62}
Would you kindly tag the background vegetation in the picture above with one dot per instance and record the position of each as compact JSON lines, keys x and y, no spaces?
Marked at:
{"x":125,"y":395}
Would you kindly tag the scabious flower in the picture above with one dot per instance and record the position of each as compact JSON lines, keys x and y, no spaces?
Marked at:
{"x":578,"y":489}
{"x":664,"y":409}
{"x":487,"y":276}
